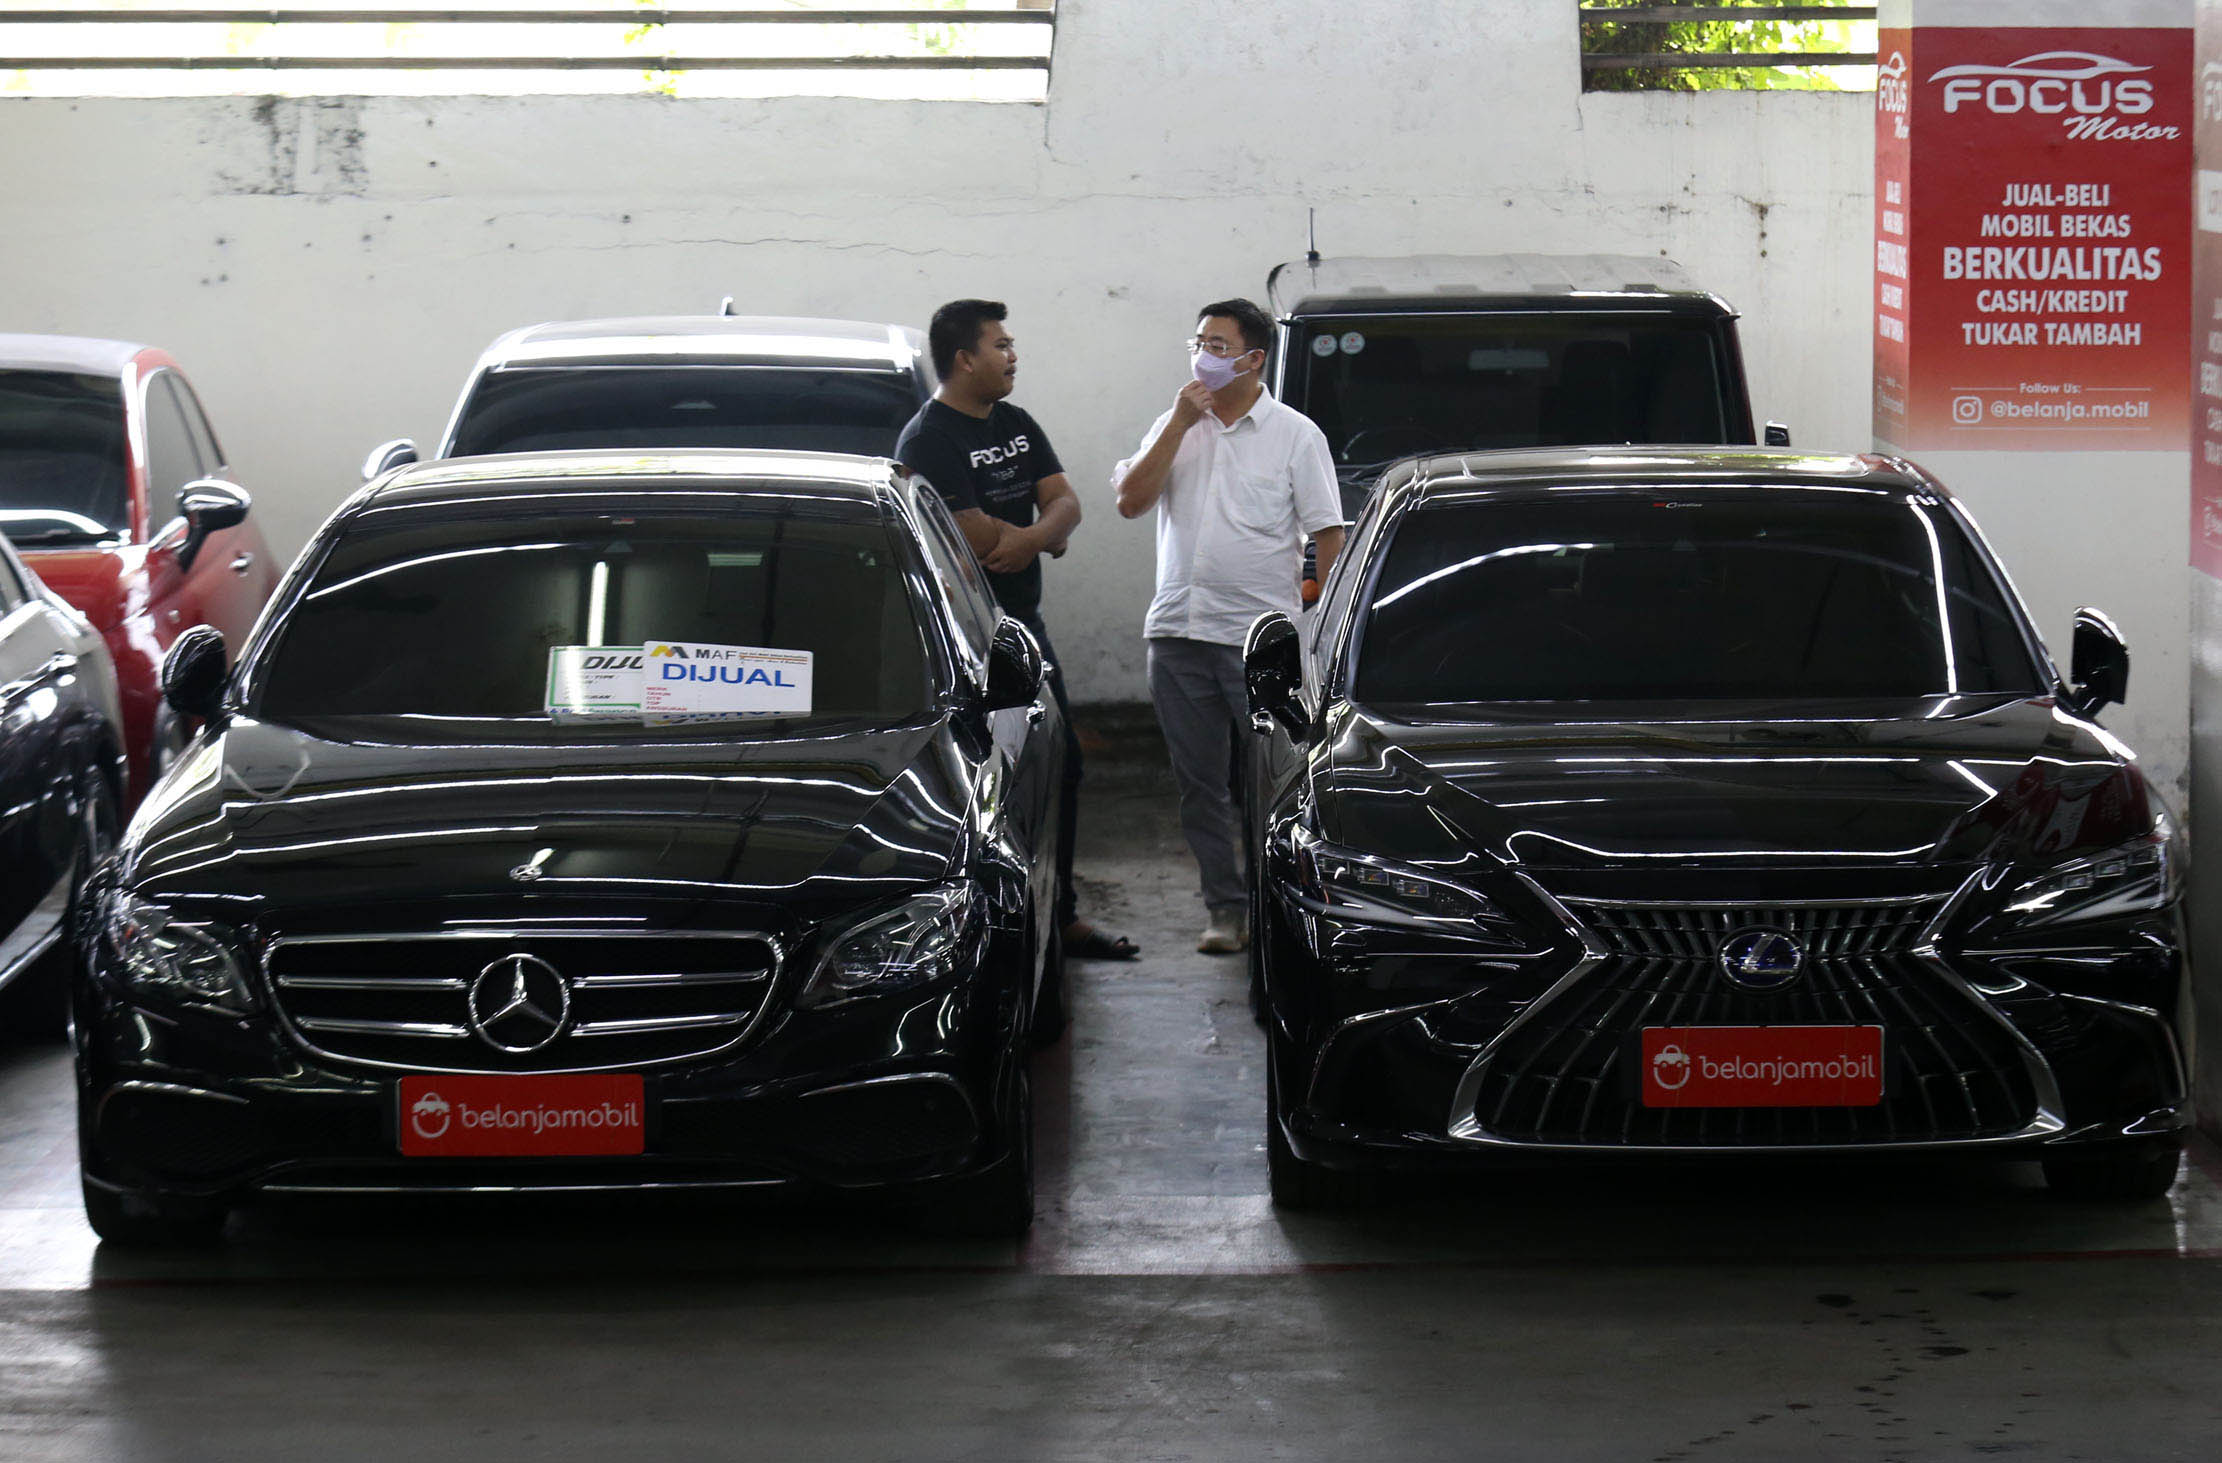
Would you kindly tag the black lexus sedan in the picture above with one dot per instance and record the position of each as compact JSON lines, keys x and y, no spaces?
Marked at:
{"x":590,"y":821}
{"x":1681,"y":801}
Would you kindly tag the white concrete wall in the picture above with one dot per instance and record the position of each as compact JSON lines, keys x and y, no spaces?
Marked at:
{"x":2110,"y":530}
{"x":328,"y":270}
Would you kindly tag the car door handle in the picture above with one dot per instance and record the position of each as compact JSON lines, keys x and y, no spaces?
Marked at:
{"x":243,"y":563}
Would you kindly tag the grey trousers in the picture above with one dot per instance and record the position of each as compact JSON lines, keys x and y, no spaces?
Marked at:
{"x":1203,"y":710}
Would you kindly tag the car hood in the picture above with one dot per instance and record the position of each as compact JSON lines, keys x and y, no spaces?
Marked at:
{"x":1947,"y":781}
{"x":299,"y":831}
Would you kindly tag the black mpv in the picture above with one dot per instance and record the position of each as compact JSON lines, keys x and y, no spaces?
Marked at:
{"x":469,"y":886}
{"x":1703,"y":801}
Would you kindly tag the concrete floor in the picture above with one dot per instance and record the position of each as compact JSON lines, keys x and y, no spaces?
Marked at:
{"x":1160,"y":1309}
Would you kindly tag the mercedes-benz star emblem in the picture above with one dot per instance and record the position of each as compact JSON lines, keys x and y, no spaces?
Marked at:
{"x":519,"y":1004}
{"x":1761,"y":959}
{"x":526,"y":873}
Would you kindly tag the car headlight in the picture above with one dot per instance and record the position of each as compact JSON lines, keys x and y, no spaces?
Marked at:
{"x":1364,"y":889}
{"x":190,"y":962}
{"x":914,"y":944}
{"x":2132,"y":878}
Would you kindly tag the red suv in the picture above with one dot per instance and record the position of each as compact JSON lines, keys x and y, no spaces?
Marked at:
{"x":114,"y":489}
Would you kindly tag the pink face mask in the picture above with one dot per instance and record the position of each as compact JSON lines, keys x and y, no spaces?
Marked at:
{"x":1216,"y":372}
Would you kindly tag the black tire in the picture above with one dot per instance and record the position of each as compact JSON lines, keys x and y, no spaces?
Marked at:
{"x":2126,"y":1175}
{"x":1050,"y":1013}
{"x":1297,"y":1185}
{"x":38,"y":999}
{"x":130,"y":1219}
{"x":997,"y":1203}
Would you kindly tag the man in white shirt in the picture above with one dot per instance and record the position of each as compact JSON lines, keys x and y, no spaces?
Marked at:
{"x":1238,"y":480}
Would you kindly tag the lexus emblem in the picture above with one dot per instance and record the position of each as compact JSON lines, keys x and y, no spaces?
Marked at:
{"x":1761,"y":959}
{"x":519,"y":1004}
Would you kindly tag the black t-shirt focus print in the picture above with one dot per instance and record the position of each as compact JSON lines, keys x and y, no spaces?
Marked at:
{"x":991,"y":463}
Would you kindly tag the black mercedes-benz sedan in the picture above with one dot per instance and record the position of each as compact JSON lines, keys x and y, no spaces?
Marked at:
{"x":1689,"y":801}
{"x":590,"y":821}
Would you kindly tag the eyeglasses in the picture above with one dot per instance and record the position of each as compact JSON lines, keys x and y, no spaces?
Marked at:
{"x":1197,"y":345}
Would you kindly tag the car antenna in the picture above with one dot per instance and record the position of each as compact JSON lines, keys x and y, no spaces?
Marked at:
{"x":725,"y":306}
{"x":1311,"y":253}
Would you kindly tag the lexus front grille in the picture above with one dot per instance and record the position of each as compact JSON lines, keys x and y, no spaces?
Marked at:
{"x":1566,"y":1074}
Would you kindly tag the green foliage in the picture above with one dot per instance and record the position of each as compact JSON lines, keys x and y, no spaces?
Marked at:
{"x":938,"y":40}
{"x":1713,"y":37}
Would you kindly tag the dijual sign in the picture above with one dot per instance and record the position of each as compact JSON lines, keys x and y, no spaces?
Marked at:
{"x":587,"y":682}
{"x":683,"y":679}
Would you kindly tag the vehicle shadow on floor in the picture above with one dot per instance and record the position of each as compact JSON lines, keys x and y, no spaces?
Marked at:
{"x":1757,"y":1210}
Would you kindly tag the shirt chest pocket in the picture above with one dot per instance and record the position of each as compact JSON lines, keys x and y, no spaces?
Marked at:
{"x":1258,"y":502}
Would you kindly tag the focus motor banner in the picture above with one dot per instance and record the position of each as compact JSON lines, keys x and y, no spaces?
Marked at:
{"x":2032,"y":239}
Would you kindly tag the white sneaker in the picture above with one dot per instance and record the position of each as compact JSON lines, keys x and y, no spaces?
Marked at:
{"x":1227,"y":934}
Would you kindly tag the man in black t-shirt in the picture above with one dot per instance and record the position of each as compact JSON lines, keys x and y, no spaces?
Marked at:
{"x":994,"y":467}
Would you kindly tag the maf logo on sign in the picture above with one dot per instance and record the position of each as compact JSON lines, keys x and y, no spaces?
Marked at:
{"x":670,"y":650}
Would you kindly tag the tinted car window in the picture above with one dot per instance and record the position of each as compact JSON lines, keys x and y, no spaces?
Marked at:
{"x":205,"y":446}
{"x":64,"y":469}
{"x":1606,"y":597}
{"x":1419,"y":383}
{"x":547,"y":410}
{"x":970,"y":600}
{"x":455,"y":618}
{"x":172,"y":459}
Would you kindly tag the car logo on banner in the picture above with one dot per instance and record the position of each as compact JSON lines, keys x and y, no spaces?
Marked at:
{"x":519,"y":1004}
{"x":2085,"y":90}
{"x":430,"y":1115}
{"x":1671,"y":1068}
{"x":1761,"y":959}
{"x":1893,"y":92}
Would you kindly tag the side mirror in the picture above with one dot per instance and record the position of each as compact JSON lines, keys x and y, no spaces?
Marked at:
{"x":1776,"y":434}
{"x":208,"y":505}
{"x":387,"y":456}
{"x":2100,"y":669}
{"x":1014,"y":666}
{"x":1273,"y":673}
{"x":194,"y":673}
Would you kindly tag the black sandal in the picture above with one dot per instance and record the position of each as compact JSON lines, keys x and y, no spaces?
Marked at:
{"x":1096,"y":945}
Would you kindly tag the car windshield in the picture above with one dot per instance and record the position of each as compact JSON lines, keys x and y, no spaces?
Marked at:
{"x":472,"y":620}
{"x":65,"y":476}
{"x":1390,"y":386}
{"x":1605,"y":596}
{"x":787,"y":409}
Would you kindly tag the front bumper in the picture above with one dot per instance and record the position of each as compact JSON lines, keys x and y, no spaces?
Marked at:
{"x":885,"y":1091}
{"x":2028,"y":1053}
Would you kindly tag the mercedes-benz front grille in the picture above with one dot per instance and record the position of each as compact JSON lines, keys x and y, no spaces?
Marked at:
{"x":1566,"y":1075}
{"x":627,"y":1000}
